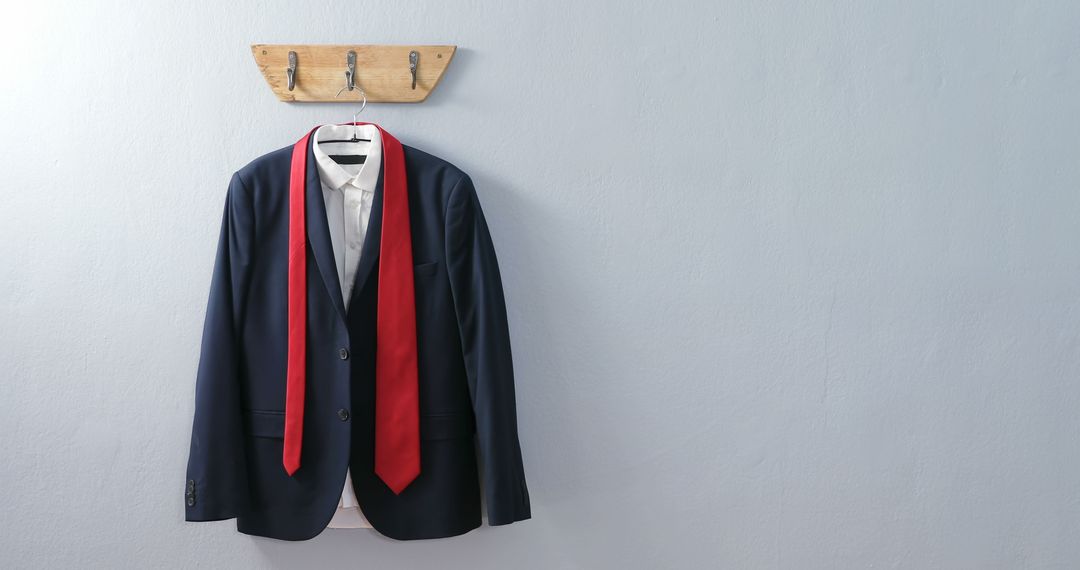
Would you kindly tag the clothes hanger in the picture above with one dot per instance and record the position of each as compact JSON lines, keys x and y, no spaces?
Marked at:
{"x":351,"y":158}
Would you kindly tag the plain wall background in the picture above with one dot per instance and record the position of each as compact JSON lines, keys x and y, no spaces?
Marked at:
{"x":791,"y":285}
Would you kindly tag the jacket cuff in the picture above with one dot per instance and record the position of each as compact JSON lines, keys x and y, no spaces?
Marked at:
{"x":200,"y":509}
{"x":512,"y":507}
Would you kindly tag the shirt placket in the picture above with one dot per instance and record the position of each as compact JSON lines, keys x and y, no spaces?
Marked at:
{"x":354,"y":234}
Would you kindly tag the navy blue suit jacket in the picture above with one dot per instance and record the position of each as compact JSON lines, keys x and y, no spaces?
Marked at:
{"x":467,"y":405}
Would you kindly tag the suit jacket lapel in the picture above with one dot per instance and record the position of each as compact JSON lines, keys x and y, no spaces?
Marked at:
{"x":318,"y":232}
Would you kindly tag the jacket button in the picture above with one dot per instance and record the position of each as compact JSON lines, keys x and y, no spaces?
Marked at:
{"x":191,"y":501}
{"x":343,"y":353}
{"x":343,"y":414}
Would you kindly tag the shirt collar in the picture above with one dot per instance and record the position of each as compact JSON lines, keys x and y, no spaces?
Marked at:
{"x":331,"y":173}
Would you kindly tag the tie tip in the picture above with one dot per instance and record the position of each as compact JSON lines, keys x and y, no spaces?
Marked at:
{"x":398,"y":484}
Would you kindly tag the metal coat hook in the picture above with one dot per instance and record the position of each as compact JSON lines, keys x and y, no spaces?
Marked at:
{"x":350,"y":72}
{"x":414,"y":58}
{"x":291,"y":71}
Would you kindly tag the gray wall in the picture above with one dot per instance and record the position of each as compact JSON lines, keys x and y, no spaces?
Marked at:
{"x":791,"y":285}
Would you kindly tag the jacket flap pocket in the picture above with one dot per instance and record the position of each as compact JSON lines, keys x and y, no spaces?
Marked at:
{"x":265,"y":423}
{"x":271,"y":424}
{"x":446,"y":426}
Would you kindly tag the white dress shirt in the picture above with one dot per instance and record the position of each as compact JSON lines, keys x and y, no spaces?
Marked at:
{"x":348,"y":190}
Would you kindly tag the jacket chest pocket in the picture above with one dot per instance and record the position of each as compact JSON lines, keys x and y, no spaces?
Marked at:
{"x":427,"y":288}
{"x":427,"y":269}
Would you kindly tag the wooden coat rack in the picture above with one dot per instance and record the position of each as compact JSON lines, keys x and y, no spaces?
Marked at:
{"x":329,"y":73}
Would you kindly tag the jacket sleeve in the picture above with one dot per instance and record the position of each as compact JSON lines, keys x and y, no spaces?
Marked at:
{"x":485,"y":337}
{"x":216,"y":486}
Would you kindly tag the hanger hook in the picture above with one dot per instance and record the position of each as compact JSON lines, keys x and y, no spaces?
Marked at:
{"x":356,"y":127}
{"x":363,"y":104}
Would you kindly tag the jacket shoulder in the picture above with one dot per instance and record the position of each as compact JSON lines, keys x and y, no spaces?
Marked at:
{"x":267,"y":167}
{"x":432,"y":178}
{"x":418,"y":160}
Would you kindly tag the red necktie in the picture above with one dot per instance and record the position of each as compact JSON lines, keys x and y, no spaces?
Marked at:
{"x":397,"y":404}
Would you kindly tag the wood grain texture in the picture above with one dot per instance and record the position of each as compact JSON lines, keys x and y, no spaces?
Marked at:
{"x":382,"y":71}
